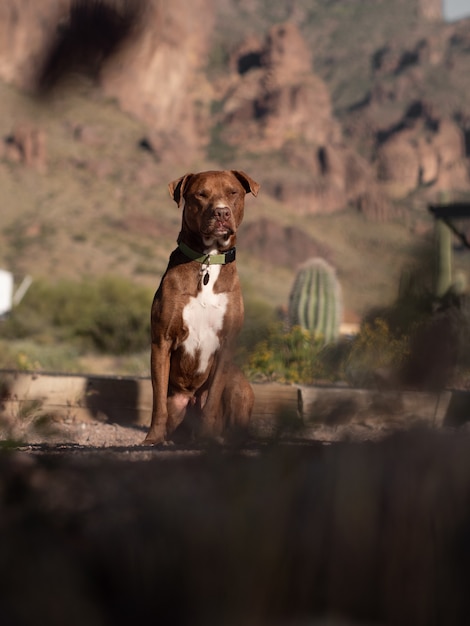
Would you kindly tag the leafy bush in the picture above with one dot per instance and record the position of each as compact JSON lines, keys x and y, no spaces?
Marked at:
{"x":110,"y":315}
{"x":259,"y":318}
{"x":374,"y":349}
{"x":296,"y":355}
{"x":28,"y":355}
{"x":293,"y":355}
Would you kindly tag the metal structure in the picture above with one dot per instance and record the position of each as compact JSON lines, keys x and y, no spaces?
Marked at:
{"x":8,"y":296}
{"x":448,"y":213}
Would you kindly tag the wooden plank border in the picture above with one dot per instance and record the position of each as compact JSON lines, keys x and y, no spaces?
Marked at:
{"x":128,"y":400}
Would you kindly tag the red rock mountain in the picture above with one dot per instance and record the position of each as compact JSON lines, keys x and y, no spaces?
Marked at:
{"x":398,"y":139}
{"x":156,"y":75}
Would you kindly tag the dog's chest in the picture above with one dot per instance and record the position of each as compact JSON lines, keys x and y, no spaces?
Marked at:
{"x":204,"y":318}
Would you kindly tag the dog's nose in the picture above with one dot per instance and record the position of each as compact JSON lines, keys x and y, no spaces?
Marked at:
{"x":222,"y":213}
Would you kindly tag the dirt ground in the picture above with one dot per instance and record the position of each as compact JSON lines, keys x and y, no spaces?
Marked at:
{"x":69,"y":433}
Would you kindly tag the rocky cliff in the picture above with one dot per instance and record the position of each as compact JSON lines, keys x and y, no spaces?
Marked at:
{"x":273,"y":100}
{"x":279,"y":91}
{"x":155,"y":74}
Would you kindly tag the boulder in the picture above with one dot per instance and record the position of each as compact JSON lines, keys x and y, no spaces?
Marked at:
{"x":398,"y":164}
{"x":422,"y":149}
{"x":27,"y":145}
{"x":274,"y":95}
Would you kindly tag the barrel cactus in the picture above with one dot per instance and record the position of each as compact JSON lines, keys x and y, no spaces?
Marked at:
{"x":315,"y":300}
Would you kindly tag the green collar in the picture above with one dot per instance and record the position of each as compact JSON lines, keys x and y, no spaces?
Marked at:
{"x":208,"y":259}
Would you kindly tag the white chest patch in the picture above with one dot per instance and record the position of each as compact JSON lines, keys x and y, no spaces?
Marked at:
{"x":204,"y":316}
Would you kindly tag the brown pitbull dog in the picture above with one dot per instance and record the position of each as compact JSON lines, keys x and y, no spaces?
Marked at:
{"x":197,"y":313}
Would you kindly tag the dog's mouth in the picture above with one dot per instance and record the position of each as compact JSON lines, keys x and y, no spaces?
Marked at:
{"x":222,"y":231}
{"x":219,"y":235}
{"x":219,"y":230}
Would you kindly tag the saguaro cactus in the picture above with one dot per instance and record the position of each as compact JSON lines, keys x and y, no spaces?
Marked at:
{"x":315,"y":301}
{"x":443,"y":261}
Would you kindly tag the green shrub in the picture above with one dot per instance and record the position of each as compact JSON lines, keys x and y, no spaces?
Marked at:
{"x":296,"y":355}
{"x":109,"y":315}
{"x":119,"y":322}
{"x":374,"y":349}
{"x":293,"y":355}
{"x":259,"y":318}
{"x":28,"y":355}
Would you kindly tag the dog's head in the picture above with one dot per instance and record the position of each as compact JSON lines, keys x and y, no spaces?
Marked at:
{"x":213,"y":205}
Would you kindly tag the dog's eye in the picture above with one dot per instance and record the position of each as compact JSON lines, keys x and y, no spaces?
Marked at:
{"x":202,"y":194}
{"x":233,"y":192}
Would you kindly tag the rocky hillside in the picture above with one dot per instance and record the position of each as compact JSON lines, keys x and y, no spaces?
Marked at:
{"x":380,"y":123}
{"x":150,"y":74}
{"x":360,"y":120}
{"x":347,"y":108}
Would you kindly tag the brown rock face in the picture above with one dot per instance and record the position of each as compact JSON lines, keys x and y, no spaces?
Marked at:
{"x":155,"y":76}
{"x":274,"y":96}
{"x":158,"y":76}
{"x":430,"y":9}
{"x":398,"y":164}
{"x":25,"y":29}
{"x":270,"y":101}
{"x":27,"y":145}
{"x":281,"y":245}
{"x":274,"y":102}
{"x":422,"y":150}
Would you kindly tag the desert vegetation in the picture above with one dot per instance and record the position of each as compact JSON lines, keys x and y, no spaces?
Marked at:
{"x":419,"y":340}
{"x":56,"y":323}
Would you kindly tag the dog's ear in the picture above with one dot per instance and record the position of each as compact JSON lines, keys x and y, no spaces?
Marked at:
{"x":248,"y":183}
{"x":176,"y":188}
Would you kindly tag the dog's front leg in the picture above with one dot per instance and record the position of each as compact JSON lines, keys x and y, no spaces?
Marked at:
{"x":212,"y":414}
{"x":160,"y":370}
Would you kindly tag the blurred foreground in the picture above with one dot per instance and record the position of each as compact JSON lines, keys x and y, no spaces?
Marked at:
{"x":351,"y":533}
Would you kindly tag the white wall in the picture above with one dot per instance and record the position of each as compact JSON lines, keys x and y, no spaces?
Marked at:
{"x":6,"y":291}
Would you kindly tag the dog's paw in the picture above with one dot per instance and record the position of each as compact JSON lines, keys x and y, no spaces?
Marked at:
{"x":153,"y":439}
